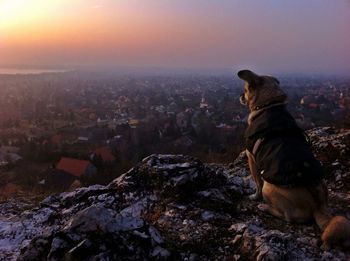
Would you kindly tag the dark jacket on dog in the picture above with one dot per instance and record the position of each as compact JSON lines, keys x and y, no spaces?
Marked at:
{"x":284,"y":156}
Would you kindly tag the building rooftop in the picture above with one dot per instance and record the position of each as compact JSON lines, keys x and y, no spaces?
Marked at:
{"x":73,"y":166}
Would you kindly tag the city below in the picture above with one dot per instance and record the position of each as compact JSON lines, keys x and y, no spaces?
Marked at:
{"x":61,"y":130}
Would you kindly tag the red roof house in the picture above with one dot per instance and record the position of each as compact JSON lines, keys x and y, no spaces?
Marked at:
{"x":76,"y":167}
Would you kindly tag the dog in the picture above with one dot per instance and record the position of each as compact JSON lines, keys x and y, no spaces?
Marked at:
{"x":288,"y":177}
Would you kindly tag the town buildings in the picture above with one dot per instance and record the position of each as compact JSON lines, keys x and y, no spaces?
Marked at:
{"x":110,"y":122}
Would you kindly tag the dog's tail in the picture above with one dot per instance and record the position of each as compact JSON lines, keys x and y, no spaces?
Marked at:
{"x":336,"y":233}
{"x":335,"y":229}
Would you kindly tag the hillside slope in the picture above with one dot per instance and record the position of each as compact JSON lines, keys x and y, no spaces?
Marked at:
{"x":174,"y":207}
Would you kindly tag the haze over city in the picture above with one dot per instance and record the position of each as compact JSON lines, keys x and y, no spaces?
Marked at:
{"x":269,"y":36}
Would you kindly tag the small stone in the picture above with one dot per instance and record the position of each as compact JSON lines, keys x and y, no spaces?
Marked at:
{"x":160,"y":253}
{"x":193,"y":257}
{"x":207,"y":215}
{"x":238,"y":228}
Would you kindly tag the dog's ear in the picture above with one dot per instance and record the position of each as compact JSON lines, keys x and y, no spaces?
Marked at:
{"x":252,"y":78}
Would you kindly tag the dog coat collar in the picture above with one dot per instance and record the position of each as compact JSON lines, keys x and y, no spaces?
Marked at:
{"x":257,"y":112}
{"x":269,"y":105}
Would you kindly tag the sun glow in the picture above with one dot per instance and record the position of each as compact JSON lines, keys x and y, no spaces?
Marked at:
{"x":21,"y":13}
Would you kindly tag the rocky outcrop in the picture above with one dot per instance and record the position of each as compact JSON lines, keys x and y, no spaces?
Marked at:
{"x":174,"y":207}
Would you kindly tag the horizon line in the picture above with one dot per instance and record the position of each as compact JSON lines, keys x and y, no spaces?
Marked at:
{"x":156,"y":69}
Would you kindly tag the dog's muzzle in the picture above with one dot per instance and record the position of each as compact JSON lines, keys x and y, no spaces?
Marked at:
{"x":242,"y":99}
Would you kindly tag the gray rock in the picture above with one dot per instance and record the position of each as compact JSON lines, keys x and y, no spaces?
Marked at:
{"x":173,"y":207}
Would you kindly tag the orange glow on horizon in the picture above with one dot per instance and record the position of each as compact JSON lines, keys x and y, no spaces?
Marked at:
{"x":23,"y":13}
{"x":174,"y":32}
{"x":38,"y":26}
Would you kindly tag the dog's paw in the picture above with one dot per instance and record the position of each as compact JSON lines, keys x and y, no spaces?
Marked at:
{"x":325,"y":246}
{"x":256,"y":196}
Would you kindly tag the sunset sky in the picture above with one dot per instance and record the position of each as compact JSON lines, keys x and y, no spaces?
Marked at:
{"x":266,"y":35}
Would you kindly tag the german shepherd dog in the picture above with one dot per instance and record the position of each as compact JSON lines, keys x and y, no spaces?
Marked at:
{"x":300,"y":202}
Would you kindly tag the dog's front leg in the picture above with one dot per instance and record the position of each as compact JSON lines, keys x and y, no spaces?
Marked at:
{"x":258,"y":181}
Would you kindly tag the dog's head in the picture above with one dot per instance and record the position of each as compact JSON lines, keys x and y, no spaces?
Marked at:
{"x":260,"y":91}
